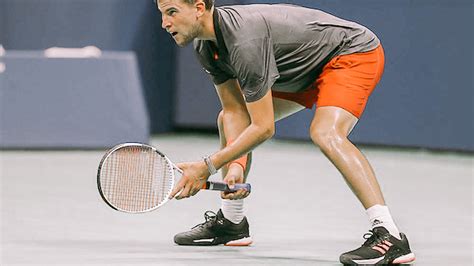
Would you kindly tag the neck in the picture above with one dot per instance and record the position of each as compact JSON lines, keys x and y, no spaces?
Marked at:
{"x":208,"y":32}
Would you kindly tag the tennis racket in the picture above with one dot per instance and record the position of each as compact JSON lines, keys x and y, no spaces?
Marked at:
{"x":137,"y":178}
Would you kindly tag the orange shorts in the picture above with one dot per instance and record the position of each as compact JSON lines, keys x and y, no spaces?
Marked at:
{"x":346,"y":81}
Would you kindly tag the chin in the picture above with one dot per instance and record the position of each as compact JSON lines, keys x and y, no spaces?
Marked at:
{"x":183,"y":43}
{"x":184,"y":40}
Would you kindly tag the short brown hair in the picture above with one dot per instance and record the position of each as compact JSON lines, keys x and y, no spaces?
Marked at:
{"x":209,"y":3}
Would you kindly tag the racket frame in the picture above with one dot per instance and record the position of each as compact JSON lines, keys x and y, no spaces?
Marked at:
{"x":169,"y":164}
{"x":210,"y":185}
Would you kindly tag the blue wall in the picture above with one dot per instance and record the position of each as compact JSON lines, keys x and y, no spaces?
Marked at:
{"x":111,"y":25}
{"x":71,"y":102}
{"x":425,"y":98}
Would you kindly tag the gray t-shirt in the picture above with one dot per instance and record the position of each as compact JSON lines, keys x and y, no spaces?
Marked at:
{"x":282,"y":47}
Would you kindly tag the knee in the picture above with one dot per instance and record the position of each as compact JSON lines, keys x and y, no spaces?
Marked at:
{"x":327,"y":138}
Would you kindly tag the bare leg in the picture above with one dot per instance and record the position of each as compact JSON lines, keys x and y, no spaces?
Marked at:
{"x":329,"y":130}
{"x":284,"y":108}
{"x":223,"y":143}
{"x":222,"y":139}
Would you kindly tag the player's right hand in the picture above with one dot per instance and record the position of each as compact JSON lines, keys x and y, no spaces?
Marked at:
{"x":195,"y":175}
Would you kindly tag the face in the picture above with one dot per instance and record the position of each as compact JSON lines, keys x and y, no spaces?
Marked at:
{"x":180,"y":19}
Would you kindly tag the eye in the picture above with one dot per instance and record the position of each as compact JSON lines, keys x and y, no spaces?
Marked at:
{"x":171,"y":12}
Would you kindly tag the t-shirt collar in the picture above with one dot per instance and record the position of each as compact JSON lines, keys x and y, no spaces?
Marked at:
{"x":222,"y":49}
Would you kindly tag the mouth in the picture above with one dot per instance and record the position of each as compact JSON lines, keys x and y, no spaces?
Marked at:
{"x":173,"y":33}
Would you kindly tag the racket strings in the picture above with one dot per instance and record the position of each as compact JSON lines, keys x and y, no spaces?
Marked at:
{"x":136,"y":179}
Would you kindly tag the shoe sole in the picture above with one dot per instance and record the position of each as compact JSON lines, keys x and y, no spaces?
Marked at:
{"x":243,"y":242}
{"x":404,"y":259}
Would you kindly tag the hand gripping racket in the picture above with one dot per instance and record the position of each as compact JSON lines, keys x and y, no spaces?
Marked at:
{"x":136,"y":178}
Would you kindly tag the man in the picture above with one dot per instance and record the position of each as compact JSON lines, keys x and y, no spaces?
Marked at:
{"x":268,"y":62}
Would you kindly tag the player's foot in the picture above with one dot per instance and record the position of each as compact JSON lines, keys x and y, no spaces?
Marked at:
{"x":380,"y":248}
{"x":216,"y":230}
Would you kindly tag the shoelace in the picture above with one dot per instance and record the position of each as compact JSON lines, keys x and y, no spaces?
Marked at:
{"x":209,"y":217}
{"x":373,"y":238}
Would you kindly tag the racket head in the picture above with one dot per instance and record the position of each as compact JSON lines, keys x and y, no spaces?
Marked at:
{"x":135,"y":178}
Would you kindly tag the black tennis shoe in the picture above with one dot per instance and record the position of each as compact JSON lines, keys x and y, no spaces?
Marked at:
{"x":216,"y":230}
{"x":380,"y":248}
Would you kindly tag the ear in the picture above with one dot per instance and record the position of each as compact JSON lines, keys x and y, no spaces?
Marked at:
{"x":200,"y":8}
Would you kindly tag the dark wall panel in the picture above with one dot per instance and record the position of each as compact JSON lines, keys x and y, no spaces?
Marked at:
{"x":425,"y":98}
{"x":120,"y":25}
{"x":71,"y":102}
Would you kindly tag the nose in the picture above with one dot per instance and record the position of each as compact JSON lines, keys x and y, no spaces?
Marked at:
{"x":165,"y":24}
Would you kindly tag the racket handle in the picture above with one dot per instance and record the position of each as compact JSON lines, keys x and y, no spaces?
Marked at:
{"x":224,"y":187}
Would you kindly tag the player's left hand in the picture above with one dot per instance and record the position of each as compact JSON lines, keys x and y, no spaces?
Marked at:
{"x":194,"y":177}
{"x":235,"y":174}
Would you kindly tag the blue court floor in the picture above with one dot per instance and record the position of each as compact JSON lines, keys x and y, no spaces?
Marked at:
{"x":300,"y":211}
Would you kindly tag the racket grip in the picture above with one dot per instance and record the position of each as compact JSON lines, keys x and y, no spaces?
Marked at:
{"x":224,"y":187}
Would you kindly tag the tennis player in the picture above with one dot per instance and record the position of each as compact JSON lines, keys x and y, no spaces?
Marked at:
{"x":268,"y":62}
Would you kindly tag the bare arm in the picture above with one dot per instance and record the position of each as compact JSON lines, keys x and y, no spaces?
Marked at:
{"x":246,"y":134}
{"x":247,"y":124}
{"x":235,"y":115}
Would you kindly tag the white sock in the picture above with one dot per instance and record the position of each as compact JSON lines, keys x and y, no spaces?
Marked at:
{"x":233,"y":210}
{"x":380,"y":216}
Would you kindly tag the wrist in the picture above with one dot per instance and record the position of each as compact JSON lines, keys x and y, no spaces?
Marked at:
{"x":242,"y":161}
{"x":235,"y":167}
{"x":210,"y":166}
{"x":235,"y":170}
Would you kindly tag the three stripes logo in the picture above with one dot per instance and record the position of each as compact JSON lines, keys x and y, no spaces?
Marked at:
{"x":383,"y":247}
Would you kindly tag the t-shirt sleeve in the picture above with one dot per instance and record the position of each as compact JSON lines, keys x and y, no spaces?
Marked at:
{"x":205,"y":58}
{"x":255,"y":67}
